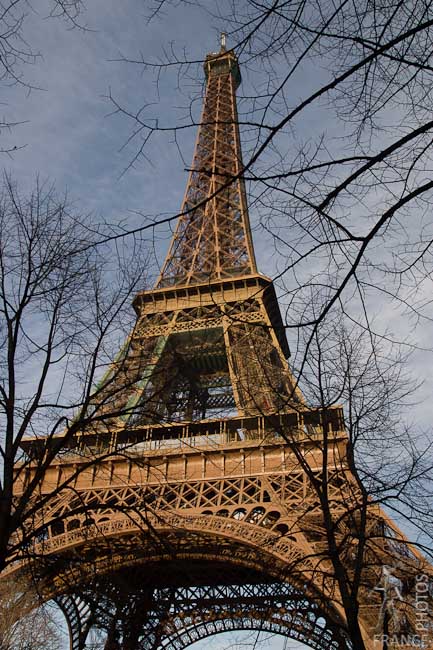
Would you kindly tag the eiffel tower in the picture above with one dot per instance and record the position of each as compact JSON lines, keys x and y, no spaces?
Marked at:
{"x":198,"y":518}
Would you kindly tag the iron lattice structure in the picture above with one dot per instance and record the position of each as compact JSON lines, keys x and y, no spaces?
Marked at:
{"x":213,"y":239}
{"x":195,"y":516}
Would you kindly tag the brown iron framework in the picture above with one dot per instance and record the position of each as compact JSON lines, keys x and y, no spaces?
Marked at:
{"x":195,"y":516}
{"x":191,"y":609}
{"x":213,"y":238}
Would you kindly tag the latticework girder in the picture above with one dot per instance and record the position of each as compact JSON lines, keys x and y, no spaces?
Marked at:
{"x":213,"y":239}
{"x":78,"y":616}
{"x":135,"y":609}
{"x":276,"y":607}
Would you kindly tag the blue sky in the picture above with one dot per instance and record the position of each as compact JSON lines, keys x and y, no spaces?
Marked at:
{"x":68,"y":131}
{"x":68,"y":136}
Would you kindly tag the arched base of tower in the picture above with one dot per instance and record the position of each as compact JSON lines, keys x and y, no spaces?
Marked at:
{"x":170,"y":606}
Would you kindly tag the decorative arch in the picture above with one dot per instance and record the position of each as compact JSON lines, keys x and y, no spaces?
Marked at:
{"x":122,"y":543}
{"x":211,"y":628}
{"x":175,"y":616}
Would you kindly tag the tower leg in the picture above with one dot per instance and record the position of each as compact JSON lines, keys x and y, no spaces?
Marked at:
{"x":78,"y":617}
{"x":112,"y":642}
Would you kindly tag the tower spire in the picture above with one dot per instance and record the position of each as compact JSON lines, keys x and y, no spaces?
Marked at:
{"x":213,"y":239}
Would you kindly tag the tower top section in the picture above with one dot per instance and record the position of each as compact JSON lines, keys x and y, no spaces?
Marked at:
{"x":212,"y":241}
{"x":222,"y":63}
